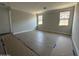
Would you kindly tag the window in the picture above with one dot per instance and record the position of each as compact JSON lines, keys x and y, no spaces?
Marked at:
{"x":64,"y":18}
{"x":40,"y":19}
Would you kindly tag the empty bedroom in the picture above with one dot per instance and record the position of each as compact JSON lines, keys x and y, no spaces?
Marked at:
{"x":39,"y":28}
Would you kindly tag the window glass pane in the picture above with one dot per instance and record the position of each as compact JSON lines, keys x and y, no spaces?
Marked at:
{"x":64,"y":14}
{"x":40,"y":19}
{"x":63,"y":22}
{"x":64,"y":18}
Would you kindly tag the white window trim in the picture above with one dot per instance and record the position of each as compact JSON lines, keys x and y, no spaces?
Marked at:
{"x":64,"y":21}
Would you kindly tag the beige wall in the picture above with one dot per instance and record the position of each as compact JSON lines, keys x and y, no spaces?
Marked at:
{"x":75,"y":30}
{"x":4,"y":20}
{"x":51,"y":21}
{"x":22,"y":21}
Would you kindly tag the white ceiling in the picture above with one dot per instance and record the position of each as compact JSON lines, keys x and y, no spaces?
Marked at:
{"x":37,"y":7}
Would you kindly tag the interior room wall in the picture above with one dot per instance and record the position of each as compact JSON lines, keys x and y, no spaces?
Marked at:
{"x":22,"y":21}
{"x":4,"y":20}
{"x":75,"y":30}
{"x":51,"y":21}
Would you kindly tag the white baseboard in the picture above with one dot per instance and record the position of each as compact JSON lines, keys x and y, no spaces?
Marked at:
{"x":55,"y":32}
{"x":22,"y":31}
{"x":76,"y":49}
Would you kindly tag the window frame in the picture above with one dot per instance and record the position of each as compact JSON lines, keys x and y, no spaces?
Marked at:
{"x":61,"y":20}
{"x":38,"y":19}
